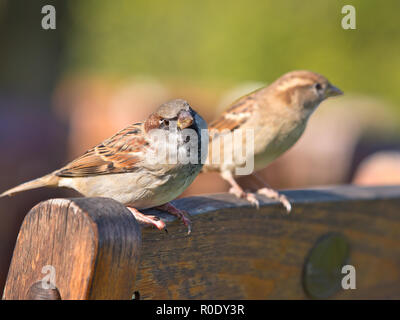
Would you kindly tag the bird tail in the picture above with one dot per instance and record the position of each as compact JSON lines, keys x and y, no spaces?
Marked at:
{"x":49,"y":180}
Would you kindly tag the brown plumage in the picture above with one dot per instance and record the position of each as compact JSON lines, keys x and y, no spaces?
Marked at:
{"x":117,"y":154}
{"x":277,"y":115}
{"x":122,"y":167}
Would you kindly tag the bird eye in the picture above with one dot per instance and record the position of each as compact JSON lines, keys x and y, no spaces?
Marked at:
{"x":166,"y":122}
{"x":318,"y":86}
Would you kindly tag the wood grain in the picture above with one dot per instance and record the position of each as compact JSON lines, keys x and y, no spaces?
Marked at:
{"x":238,"y":252}
{"x":92,"y":243}
{"x":234,"y":252}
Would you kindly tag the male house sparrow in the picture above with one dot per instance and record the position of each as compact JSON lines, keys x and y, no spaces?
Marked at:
{"x":125,"y":167}
{"x":277,"y":116}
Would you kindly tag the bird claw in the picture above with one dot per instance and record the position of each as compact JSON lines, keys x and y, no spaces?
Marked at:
{"x":181,"y":214}
{"x":159,"y":224}
{"x":286,"y":203}
{"x":250,"y":197}
{"x":147,"y":219}
{"x":238,"y":193}
{"x":186,"y":221}
{"x":272,"y":194}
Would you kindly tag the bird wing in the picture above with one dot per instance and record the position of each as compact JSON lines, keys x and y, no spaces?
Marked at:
{"x":236,"y":115}
{"x":120,"y":153}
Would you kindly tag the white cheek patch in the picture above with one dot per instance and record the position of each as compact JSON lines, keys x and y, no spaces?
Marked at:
{"x":294,"y":82}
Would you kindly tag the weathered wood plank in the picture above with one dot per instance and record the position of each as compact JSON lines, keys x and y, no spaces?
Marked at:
{"x":234,"y":252}
{"x":93,"y":245}
{"x":237,"y":252}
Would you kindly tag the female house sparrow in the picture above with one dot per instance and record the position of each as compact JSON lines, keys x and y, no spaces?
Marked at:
{"x":277,"y":116}
{"x":125,"y":167}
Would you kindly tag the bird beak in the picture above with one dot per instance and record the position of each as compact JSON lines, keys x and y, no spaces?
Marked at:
{"x":185,"y":119}
{"x":332,"y":91}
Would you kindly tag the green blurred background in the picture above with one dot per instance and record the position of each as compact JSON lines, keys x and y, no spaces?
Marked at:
{"x":232,"y":41}
{"x":63,"y":90}
{"x":214,"y":42}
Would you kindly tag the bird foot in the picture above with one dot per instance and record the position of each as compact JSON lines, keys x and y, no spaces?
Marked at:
{"x":147,"y":219}
{"x":181,"y":214}
{"x":250,"y":197}
{"x":272,"y":194}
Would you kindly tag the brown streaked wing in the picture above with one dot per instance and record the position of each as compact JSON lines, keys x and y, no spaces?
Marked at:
{"x":117,"y":154}
{"x":237,"y":114}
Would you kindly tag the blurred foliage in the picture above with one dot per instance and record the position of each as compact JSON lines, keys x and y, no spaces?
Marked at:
{"x":30,"y":57}
{"x":240,"y":40}
{"x":213,"y":42}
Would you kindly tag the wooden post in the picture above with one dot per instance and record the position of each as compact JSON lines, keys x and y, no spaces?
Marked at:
{"x":83,"y":248}
{"x":234,"y":252}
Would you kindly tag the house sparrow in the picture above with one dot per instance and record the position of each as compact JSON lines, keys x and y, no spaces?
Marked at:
{"x":276,"y":116}
{"x":125,"y":167}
